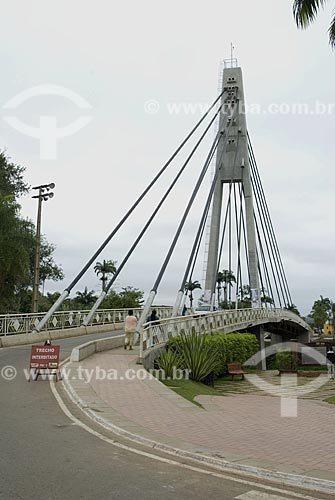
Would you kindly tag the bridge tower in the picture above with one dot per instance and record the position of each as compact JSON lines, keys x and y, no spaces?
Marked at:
{"x":233,"y":164}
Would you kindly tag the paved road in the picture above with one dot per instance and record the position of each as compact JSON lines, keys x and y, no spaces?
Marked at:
{"x":46,"y":456}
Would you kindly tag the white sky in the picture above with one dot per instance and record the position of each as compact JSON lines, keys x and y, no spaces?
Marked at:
{"x":117,"y":56}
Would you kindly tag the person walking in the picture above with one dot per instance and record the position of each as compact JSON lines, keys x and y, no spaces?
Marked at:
{"x":130,"y":325}
{"x":153,"y":317}
{"x":155,"y":330}
{"x":331,"y":362}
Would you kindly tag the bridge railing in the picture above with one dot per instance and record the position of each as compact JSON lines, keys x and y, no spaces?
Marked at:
{"x":170,"y":327}
{"x":12,"y":324}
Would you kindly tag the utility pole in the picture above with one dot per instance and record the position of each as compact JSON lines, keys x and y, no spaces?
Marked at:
{"x":44,"y":193}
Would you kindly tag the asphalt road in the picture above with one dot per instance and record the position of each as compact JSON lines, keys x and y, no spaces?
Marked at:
{"x":44,"y":455}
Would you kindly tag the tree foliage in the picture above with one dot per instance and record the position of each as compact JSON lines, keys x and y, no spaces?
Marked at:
{"x":85,"y":299}
{"x":11,"y":178}
{"x":128,"y":297}
{"x":224,"y":280}
{"x":321,"y":311}
{"x":293,"y":308}
{"x":18,"y":242}
{"x":190,"y":286}
{"x":305,"y":13}
{"x":105,"y":268}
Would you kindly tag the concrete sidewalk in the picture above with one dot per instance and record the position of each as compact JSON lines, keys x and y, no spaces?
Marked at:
{"x":242,"y":432}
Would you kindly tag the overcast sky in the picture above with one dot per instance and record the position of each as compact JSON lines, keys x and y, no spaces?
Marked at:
{"x":118,"y":56}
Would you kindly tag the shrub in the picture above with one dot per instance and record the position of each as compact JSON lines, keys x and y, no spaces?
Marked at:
{"x":167,"y":361}
{"x":227,"y":348}
{"x":285,"y":360}
{"x":196,"y":355}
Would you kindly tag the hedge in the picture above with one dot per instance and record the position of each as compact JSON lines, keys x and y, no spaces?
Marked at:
{"x":230,"y":347}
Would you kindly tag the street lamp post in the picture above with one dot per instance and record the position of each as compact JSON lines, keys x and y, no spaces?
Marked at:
{"x":44,"y":193}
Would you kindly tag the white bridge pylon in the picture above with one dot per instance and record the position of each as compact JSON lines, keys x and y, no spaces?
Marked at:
{"x":232,"y":162}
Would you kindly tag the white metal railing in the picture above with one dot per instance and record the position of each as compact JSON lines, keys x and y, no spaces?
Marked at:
{"x":11,"y":324}
{"x":154,"y":334}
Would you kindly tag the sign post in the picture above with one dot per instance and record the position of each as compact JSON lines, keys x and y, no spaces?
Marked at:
{"x":44,"y":358}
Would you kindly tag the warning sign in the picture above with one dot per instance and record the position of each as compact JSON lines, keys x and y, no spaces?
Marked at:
{"x":44,"y":358}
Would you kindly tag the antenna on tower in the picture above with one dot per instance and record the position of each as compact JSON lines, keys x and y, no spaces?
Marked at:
{"x":232,"y":62}
{"x":232,"y":48}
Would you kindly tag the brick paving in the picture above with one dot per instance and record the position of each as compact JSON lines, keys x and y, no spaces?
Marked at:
{"x":239,"y":386}
{"x":245,"y":428}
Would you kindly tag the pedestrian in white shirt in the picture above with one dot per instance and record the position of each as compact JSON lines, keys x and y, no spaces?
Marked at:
{"x":130,"y":325}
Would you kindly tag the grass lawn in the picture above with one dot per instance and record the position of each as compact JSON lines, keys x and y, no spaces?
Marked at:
{"x":331,"y":400}
{"x":312,"y":368}
{"x":190,"y":389}
{"x":226,"y":379}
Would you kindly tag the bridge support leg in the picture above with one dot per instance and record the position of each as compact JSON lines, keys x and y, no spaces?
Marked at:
{"x":304,"y":338}
{"x":276,"y":339}
{"x":260,"y":334}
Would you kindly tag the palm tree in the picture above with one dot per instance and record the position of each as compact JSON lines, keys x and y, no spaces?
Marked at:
{"x":86,"y":298}
{"x":105,"y":268}
{"x":293,"y":308}
{"x":227,"y":278}
{"x":306,"y":11}
{"x":189,"y":287}
{"x":266,"y":299}
{"x":245,"y":296}
{"x":219,"y":281}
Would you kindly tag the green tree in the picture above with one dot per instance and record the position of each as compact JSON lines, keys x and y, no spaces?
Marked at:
{"x":305,"y":13}
{"x":129,"y":297}
{"x":266,"y":299}
{"x":85,"y":299}
{"x":15,"y":234}
{"x":219,"y":281}
{"x":111,"y":301}
{"x":225,"y":279}
{"x":190,"y":286}
{"x":319,"y":316}
{"x":18,"y":242}
{"x":11,"y":178}
{"x":245,"y":297}
{"x":49,"y":270}
{"x":333,"y":318}
{"x":321,"y":311}
{"x":293,"y":308}
{"x":105,"y":268}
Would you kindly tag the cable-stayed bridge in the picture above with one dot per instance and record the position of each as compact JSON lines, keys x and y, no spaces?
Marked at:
{"x":240,"y":235}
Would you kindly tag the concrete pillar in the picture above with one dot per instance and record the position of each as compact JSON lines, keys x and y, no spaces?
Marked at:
{"x":213,"y":248}
{"x":276,"y":338}
{"x":251,"y":238}
{"x":304,"y":338}
{"x":260,"y":334}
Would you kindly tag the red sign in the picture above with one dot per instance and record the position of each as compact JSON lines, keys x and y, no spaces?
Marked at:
{"x":44,"y":357}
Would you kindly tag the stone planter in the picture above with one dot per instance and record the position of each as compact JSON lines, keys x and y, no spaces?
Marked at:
{"x":286,"y":372}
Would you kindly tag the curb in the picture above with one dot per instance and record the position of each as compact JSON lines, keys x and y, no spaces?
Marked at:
{"x":310,"y":483}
